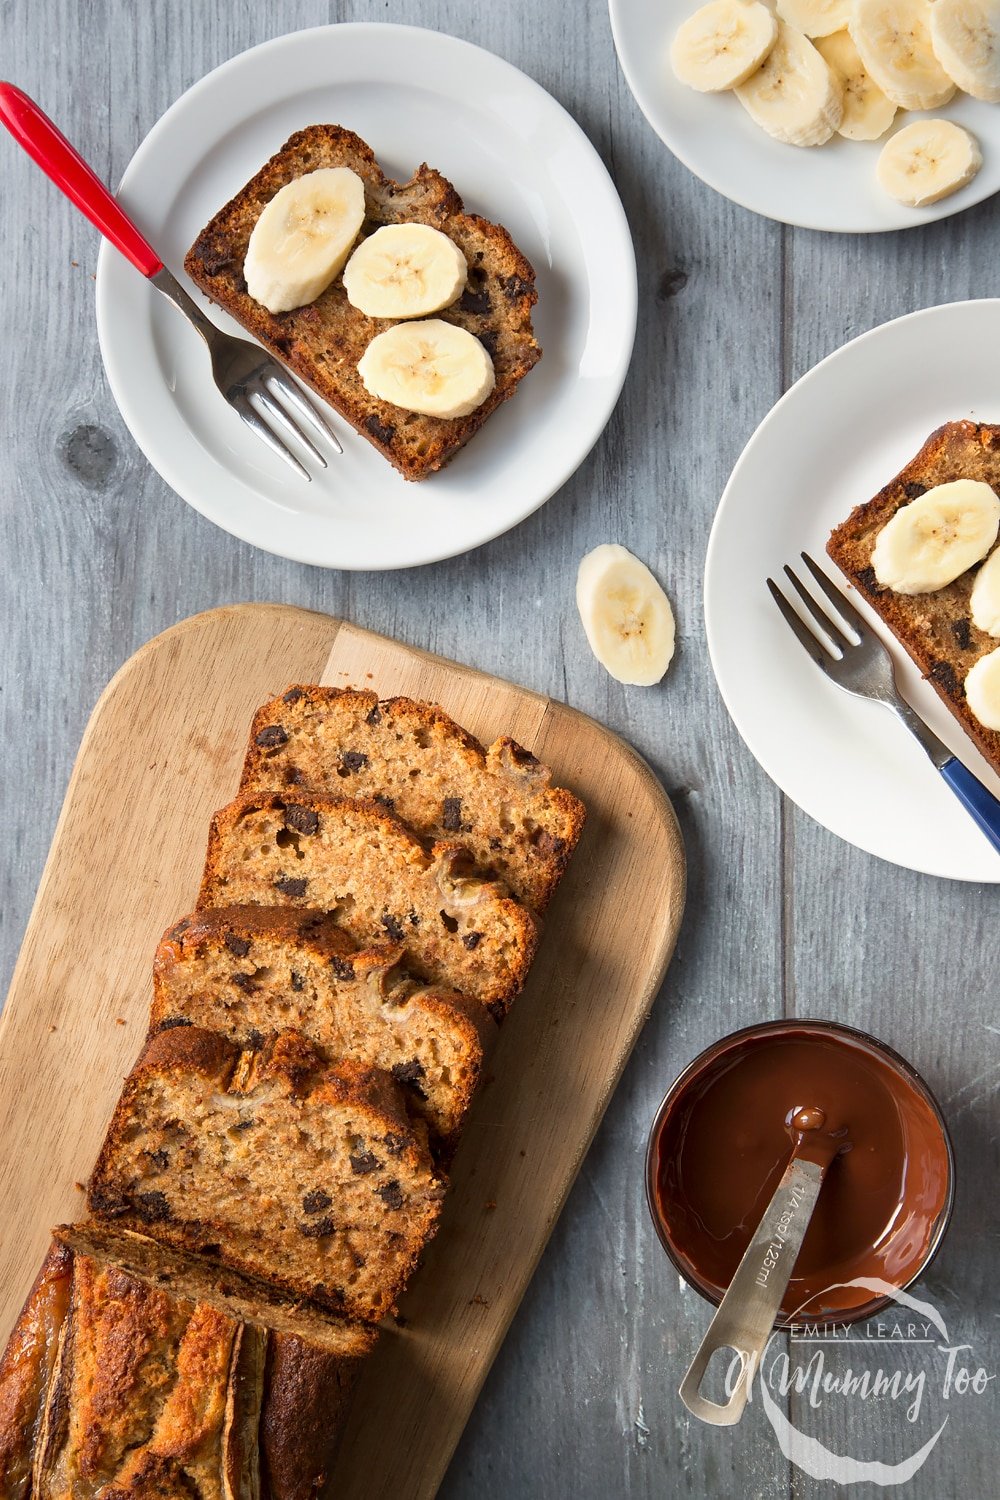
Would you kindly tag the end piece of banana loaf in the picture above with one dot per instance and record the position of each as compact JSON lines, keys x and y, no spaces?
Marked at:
{"x":323,"y":341}
{"x":936,"y":629}
{"x":415,"y":760}
{"x":362,"y":865}
{"x":308,"y":1177}
{"x":246,"y":970}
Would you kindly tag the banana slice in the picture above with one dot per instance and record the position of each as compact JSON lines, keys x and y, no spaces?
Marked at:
{"x":982,"y":689}
{"x":965,"y":35}
{"x":722,"y":44}
{"x":431,"y":367}
{"x":815,"y":17}
{"x":935,"y":538}
{"x":303,"y":238}
{"x":894,"y":40}
{"x":627,"y":616}
{"x":928,"y":160}
{"x":984,"y":603}
{"x":794,"y":95}
{"x":404,"y":271}
{"x":867,"y":112}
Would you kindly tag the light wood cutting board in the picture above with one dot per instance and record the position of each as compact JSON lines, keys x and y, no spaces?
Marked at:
{"x":162,"y":751}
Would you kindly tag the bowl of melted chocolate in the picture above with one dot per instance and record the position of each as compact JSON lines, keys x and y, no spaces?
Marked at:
{"x":725,"y":1132}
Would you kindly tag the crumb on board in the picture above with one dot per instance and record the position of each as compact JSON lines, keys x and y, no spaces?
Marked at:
{"x":478,"y":1301}
{"x":80,"y":1187}
{"x":491,"y":1203}
{"x":53,"y":1027}
{"x":119,"y":1020}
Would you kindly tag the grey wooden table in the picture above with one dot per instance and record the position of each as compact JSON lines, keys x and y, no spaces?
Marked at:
{"x":97,"y":554}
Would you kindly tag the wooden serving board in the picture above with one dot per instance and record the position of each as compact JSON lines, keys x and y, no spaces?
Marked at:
{"x":162,"y":751}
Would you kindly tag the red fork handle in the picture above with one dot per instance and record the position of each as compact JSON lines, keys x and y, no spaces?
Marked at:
{"x":59,"y":160}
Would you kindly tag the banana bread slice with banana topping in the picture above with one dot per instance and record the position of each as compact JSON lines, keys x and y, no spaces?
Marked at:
{"x":415,"y":760}
{"x":308,"y":1177}
{"x":361,"y":864}
{"x":244,"y":971}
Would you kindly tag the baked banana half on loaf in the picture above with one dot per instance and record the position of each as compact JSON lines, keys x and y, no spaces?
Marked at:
{"x":308,"y":1177}
{"x":26,"y":1370}
{"x":318,"y":331}
{"x":247,"y":970}
{"x":360,"y":863}
{"x":415,"y":760}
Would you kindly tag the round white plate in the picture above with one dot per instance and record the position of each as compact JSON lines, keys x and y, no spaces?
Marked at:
{"x":825,"y":187}
{"x":833,"y":441}
{"x":514,"y":155}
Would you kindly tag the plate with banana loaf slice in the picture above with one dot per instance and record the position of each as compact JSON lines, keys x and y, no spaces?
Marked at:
{"x":886,"y":458}
{"x":855,"y":116}
{"x":432,"y":246}
{"x":368,"y":965}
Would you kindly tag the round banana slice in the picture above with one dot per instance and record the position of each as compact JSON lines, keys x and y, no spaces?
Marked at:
{"x":626,"y":615}
{"x":984,"y":602}
{"x":722,"y":44}
{"x":937,"y":537}
{"x":867,"y":112}
{"x":982,"y":689}
{"x":965,"y":35}
{"x":815,"y":17}
{"x":928,"y":160}
{"x":431,"y":367}
{"x":404,"y":271}
{"x":894,"y":40}
{"x":794,"y":95}
{"x":303,"y":237}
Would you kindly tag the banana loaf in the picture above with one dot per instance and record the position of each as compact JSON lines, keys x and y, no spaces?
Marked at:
{"x":360,"y":863}
{"x":324,"y":341}
{"x":245,"y":970}
{"x":308,"y":1177}
{"x":415,"y":760}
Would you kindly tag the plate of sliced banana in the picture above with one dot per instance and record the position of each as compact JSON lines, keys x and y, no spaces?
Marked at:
{"x":514,"y":155}
{"x":845,"y":115}
{"x":833,"y":441}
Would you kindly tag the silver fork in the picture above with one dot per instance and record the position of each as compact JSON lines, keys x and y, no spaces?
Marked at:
{"x":247,"y":377}
{"x":850,"y":653}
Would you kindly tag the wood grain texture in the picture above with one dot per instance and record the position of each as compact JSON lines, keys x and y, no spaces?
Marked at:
{"x":97,"y":555}
{"x":162,"y":751}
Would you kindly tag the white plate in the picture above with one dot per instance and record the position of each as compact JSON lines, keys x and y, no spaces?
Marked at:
{"x":830,"y":443}
{"x":514,"y":155}
{"x":825,"y":187}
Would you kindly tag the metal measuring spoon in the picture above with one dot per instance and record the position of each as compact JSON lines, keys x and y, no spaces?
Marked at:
{"x":745,"y":1317}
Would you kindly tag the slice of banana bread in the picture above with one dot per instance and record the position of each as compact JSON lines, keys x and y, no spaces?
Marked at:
{"x":26,"y":1369}
{"x":244,"y":971}
{"x":308,"y":1177}
{"x":414,"y":759}
{"x":360,"y":863}
{"x":935,"y":629}
{"x":324,"y":341}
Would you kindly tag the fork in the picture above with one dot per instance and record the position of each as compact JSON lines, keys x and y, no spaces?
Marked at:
{"x":864,"y":667}
{"x":249,"y":379}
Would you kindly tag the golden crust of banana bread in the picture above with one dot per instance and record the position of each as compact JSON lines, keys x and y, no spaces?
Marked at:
{"x":324,"y":341}
{"x":361,"y":864}
{"x":245,"y":970}
{"x":204,"y":1280}
{"x":306,"y":1176}
{"x":936,"y":629}
{"x":26,"y":1368}
{"x":306,"y":1399}
{"x":415,"y":760}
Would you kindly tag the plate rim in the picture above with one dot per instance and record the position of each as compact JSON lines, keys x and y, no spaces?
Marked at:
{"x":172,"y":470}
{"x":711,"y":625}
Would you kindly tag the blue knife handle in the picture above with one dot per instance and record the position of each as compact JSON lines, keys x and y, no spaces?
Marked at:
{"x":974,"y":797}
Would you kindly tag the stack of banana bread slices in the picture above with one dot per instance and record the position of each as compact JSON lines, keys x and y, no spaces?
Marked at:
{"x":277,"y":1159}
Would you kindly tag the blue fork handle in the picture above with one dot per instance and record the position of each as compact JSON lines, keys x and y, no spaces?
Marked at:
{"x":974,"y":797}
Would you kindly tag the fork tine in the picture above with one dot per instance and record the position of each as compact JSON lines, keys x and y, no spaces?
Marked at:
{"x":834,"y":630}
{"x":839,"y":600}
{"x":293,"y":397}
{"x":257,"y":425}
{"x":812,"y":644}
{"x":278,"y":414}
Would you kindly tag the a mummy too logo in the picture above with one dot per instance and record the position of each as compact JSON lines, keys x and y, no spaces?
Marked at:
{"x":901,"y":1367}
